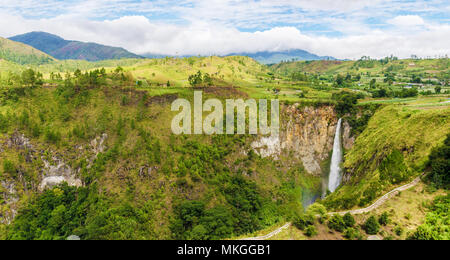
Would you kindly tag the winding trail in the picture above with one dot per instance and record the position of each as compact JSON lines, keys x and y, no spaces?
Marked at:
{"x":372,"y":207}
{"x":271,"y":234}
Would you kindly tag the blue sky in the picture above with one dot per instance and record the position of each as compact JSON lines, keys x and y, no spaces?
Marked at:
{"x":341,"y":28}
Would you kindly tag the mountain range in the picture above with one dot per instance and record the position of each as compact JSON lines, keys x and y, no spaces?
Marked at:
{"x":268,"y":57}
{"x":62,"y":49}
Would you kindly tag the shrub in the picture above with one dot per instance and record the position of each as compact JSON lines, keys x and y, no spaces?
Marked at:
{"x":352,"y":234}
{"x":337,"y":223}
{"x":372,"y":227}
{"x":436,"y":225}
{"x":311,"y":231}
{"x":439,"y":162}
{"x":398,"y":230}
{"x":349,"y":220}
{"x":384,"y":219}
{"x":303,"y":221}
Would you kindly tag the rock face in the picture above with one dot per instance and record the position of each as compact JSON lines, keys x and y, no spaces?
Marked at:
{"x":98,"y":144}
{"x":348,"y":140}
{"x":57,"y":174}
{"x":306,"y":133}
{"x":9,"y":195}
{"x":55,"y":169}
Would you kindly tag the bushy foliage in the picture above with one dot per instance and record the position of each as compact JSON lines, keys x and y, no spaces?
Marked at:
{"x":311,"y":231}
{"x":437,"y":221}
{"x":303,"y":221}
{"x":371,"y":226}
{"x":439,"y":163}
{"x":353,"y":234}
{"x":384,"y":219}
{"x":64,"y":211}
{"x":337,"y":223}
{"x":200,"y":80}
{"x":346,"y":101}
{"x":349,"y":220}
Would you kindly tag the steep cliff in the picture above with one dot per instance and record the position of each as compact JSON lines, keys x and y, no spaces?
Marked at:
{"x":306,"y":134}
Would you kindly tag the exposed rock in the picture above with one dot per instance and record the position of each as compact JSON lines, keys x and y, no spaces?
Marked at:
{"x":308,"y":133}
{"x":19,"y":141}
{"x":147,"y":171}
{"x":57,"y":174}
{"x":268,"y":146}
{"x":348,"y":141}
{"x":9,"y":195}
{"x":98,"y":144}
{"x":10,"y":192}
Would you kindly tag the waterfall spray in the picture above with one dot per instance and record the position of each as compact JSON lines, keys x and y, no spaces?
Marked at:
{"x":335,"y":177}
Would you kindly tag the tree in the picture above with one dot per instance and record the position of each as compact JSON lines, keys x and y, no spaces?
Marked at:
{"x":384,"y":219}
{"x":438,"y":89}
{"x":373,"y":83}
{"x":311,"y":231}
{"x":303,"y":221}
{"x":337,"y":223}
{"x":371,"y":226}
{"x":439,"y":164}
{"x":349,"y":220}
{"x":196,"y":79}
{"x":29,"y":77}
{"x":339,"y":80}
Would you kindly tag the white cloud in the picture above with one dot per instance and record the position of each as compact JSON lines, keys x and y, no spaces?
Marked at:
{"x":139,"y":34}
{"x":407,"y":20}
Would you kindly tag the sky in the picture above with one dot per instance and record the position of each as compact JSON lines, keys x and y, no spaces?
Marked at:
{"x":345,"y":29}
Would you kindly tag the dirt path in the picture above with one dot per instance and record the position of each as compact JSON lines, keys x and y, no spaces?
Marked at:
{"x":271,"y":234}
{"x":372,"y":207}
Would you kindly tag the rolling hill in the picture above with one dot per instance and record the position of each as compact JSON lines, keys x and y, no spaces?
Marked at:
{"x":276,"y":57}
{"x":21,"y":53}
{"x":64,"y":50}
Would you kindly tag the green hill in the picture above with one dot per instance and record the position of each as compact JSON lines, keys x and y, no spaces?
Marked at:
{"x":393,"y":149}
{"x":64,"y":49}
{"x":106,"y":130}
{"x":22,"y":54}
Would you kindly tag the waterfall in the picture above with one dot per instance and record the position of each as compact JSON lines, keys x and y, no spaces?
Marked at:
{"x":334,"y":179}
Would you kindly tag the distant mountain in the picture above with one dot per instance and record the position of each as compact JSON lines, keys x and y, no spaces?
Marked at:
{"x":268,"y":57}
{"x":65,"y":50}
{"x":21,"y":53}
{"x":159,"y":56}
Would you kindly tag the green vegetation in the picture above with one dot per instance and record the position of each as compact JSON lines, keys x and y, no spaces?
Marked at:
{"x":371,"y":226}
{"x":142,"y":182}
{"x":337,"y":223}
{"x":393,"y":149}
{"x":439,"y":163}
{"x":22,"y":54}
{"x":436,"y":225}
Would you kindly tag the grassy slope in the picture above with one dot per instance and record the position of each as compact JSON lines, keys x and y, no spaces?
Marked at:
{"x":22,"y":53}
{"x":411,"y":131}
{"x":332,"y":67}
